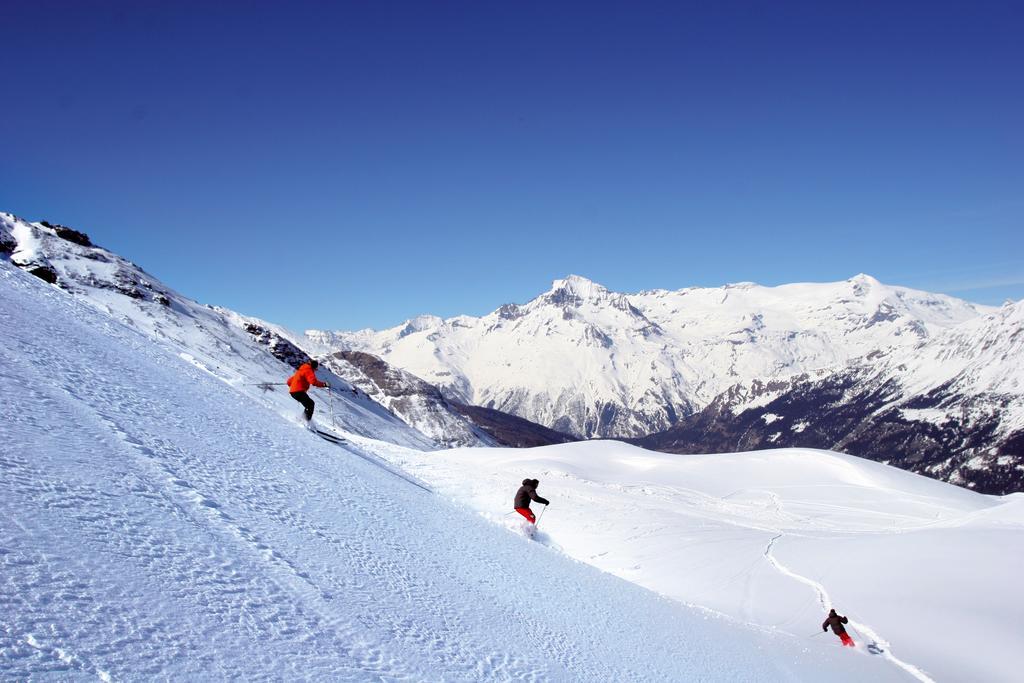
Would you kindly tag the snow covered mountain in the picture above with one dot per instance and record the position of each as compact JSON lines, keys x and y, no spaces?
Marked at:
{"x":584,"y":360}
{"x":159,"y":522}
{"x":951,"y":408}
{"x":240,"y":350}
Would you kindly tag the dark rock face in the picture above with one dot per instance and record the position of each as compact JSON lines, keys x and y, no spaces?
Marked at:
{"x":593,"y":335}
{"x":565,"y":298}
{"x":854,"y":413}
{"x":279,"y":347}
{"x":511,"y":431}
{"x":69,"y":234}
{"x":510,"y":312}
{"x":7,"y":244}
{"x":44,"y":273}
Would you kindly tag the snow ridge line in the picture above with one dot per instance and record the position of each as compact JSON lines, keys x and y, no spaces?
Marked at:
{"x":825,"y":602}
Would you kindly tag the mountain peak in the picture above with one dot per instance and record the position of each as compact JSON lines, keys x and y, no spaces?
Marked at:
{"x":576,"y":287}
{"x":419,"y":324}
{"x":864,"y":285}
{"x":864,"y":279}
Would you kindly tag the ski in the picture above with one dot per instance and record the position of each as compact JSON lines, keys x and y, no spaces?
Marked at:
{"x":327,"y":436}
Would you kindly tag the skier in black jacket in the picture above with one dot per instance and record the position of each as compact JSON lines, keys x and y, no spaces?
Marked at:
{"x":836,"y":622}
{"x":526,"y":493}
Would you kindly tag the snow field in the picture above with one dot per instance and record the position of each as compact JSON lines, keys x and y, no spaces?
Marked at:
{"x":156,"y":522}
{"x":775,"y":538}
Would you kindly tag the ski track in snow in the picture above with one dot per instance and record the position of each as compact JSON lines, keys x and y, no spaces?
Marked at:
{"x":826,"y":604}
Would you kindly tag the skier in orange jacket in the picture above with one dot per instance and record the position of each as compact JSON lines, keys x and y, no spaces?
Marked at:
{"x":299,"y":383}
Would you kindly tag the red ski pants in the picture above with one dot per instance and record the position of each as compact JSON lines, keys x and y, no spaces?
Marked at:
{"x":526,"y":512}
{"x":847,"y":640}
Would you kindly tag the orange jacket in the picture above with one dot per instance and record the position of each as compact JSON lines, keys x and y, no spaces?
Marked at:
{"x":302,"y":378}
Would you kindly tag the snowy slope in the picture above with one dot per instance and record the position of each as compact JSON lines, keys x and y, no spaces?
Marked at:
{"x":926,"y":570}
{"x":157,"y":522}
{"x":586,"y":360}
{"x":240,"y":350}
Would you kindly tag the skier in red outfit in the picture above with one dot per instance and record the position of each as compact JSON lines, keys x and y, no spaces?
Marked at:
{"x":298,"y":385}
{"x":836,"y":622}
{"x":526,"y":493}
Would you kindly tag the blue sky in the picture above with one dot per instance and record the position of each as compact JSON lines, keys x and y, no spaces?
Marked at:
{"x":344,"y":165}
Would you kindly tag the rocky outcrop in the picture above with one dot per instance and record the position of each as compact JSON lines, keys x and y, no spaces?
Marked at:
{"x":43,"y":271}
{"x":130,"y":283}
{"x":279,"y":347}
{"x":69,"y":234}
{"x":54,"y":253}
{"x":7,"y":243}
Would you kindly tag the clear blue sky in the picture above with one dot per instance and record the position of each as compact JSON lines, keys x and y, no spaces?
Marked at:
{"x":343,"y":165}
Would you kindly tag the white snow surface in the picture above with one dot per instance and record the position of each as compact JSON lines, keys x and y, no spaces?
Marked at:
{"x":584,"y":359}
{"x":927,"y":571}
{"x":158,"y":522}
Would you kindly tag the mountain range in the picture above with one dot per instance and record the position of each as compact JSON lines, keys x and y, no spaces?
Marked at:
{"x":923,"y":381}
{"x":597,"y":363}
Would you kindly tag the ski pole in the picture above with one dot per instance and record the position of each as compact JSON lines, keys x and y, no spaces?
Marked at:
{"x":537,"y":523}
{"x":330,"y":401}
